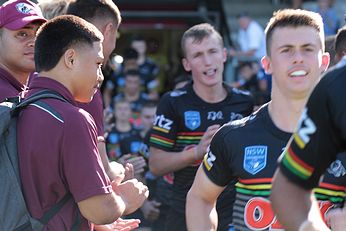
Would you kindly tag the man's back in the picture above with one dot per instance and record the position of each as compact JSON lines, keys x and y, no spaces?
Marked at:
{"x":73,"y":142}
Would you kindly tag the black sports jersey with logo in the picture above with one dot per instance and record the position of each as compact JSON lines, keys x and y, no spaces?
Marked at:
{"x":253,"y":161}
{"x":181,"y":120}
{"x":237,"y":154}
{"x":121,"y":143}
{"x":321,"y":133}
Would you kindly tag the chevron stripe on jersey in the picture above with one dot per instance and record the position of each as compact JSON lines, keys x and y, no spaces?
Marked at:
{"x":333,"y":193}
{"x":252,"y":208}
{"x":188,"y":138}
{"x":296,"y":165}
{"x":162,"y":141}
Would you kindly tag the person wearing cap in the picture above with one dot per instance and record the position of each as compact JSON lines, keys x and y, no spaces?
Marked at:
{"x":66,"y":161}
{"x":19,"y":21}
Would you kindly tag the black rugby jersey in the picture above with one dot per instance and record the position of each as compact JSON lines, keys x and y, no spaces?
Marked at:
{"x":331,"y":191}
{"x":120,"y":143}
{"x":321,"y":132}
{"x":247,"y":151}
{"x":252,"y":161}
{"x":181,"y":120}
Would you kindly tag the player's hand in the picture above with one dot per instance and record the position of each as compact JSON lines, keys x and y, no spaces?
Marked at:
{"x":117,"y":172}
{"x":151,"y":210}
{"x":201,"y":148}
{"x":138,"y":163}
{"x":119,"y":225}
{"x":133,"y":193}
{"x":129,"y":172}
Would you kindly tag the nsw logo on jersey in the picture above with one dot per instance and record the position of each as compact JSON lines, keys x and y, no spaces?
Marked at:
{"x":255,"y":159}
{"x":192,"y":119}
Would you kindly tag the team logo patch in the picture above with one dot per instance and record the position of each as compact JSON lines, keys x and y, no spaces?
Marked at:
{"x":255,"y":159}
{"x":24,"y":8}
{"x":192,"y":119}
{"x":337,"y":169}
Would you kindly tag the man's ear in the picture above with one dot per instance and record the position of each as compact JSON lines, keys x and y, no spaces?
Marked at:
{"x":325,"y":62}
{"x":266,"y":64}
{"x":69,"y":58}
{"x":108,"y":29}
{"x":186,"y":65}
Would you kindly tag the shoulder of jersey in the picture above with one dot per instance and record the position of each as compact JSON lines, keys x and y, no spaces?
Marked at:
{"x":333,"y":73}
{"x":239,"y":92}
{"x":178,"y":93}
{"x":242,"y":122}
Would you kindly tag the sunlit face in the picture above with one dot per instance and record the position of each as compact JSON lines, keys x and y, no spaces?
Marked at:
{"x":88,"y":77}
{"x":148,"y":117}
{"x":296,"y":60}
{"x":109,"y":42}
{"x":17,"y":48}
{"x":205,"y":60}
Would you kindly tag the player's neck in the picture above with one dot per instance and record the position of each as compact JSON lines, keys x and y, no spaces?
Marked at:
{"x":213,"y":94}
{"x":285,"y":115}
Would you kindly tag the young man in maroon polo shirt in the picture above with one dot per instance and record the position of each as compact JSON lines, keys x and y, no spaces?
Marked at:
{"x":19,"y":21}
{"x":105,"y":15}
{"x":58,"y":153}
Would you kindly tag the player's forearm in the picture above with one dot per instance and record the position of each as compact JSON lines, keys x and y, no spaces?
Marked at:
{"x":294,"y":205}
{"x":200,"y":214}
{"x":161,"y":162}
{"x":105,"y":161}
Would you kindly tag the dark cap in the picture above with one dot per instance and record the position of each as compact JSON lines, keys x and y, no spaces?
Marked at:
{"x":15,"y":14}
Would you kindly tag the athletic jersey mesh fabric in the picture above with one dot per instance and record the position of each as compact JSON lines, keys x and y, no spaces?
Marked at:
{"x":321,"y":132}
{"x":181,"y":120}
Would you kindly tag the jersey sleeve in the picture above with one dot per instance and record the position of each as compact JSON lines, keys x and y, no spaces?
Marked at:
{"x":316,"y":142}
{"x":216,"y":161}
{"x":81,"y":163}
{"x":164,"y":131}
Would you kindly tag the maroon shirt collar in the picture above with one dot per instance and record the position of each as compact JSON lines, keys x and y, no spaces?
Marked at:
{"x":39,"y":83}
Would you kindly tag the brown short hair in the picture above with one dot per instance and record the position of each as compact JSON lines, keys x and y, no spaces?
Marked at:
{"x":294,"y":18}
{"x":198,"y":33}
{"x":340,"y":41}
{"x":95,"y":9}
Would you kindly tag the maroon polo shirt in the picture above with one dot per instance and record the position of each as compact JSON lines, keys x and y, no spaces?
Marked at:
{"x":9,"y":86}
{"x":95,"y":108}
{"x":57,"y":155}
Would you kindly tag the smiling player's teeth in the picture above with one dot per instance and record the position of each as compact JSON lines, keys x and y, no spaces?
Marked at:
{"x":298,"y":73}
{"x":210,"y":72}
